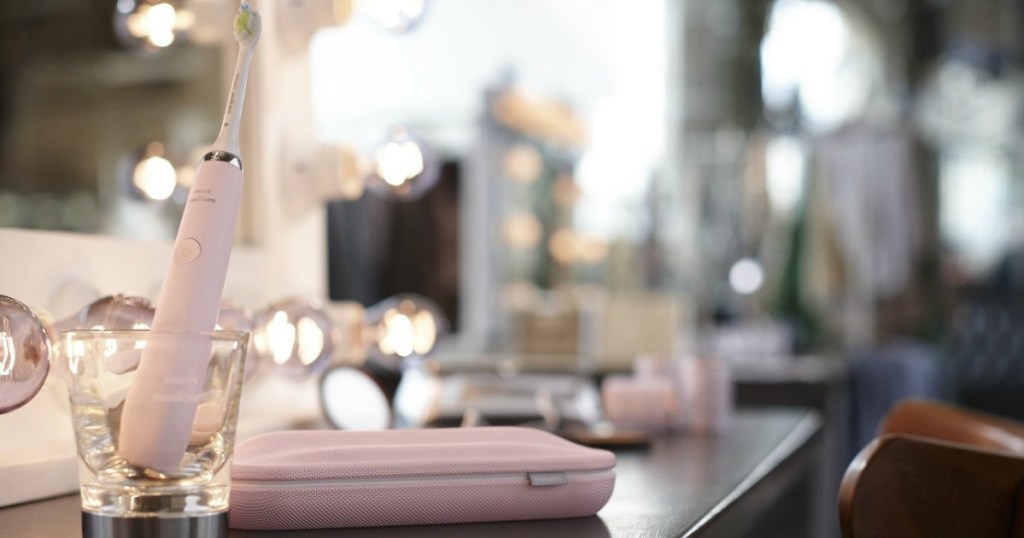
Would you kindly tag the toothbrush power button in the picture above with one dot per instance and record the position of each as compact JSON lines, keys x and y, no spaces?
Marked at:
{"x":187,"y":251}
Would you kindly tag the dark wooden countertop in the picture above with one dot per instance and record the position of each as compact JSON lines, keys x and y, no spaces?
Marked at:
{"x":678,"y":486}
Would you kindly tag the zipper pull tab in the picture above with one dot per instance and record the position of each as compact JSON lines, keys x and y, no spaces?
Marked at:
{"x":547,"y":479}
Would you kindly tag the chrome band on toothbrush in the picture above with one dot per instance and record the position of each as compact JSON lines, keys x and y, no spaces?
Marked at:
{"x":224,"y":156}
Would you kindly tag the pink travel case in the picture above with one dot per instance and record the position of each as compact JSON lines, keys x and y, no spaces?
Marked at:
{"x":333,"y":479}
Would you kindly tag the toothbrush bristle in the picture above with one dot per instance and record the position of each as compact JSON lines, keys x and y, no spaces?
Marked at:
{"x":247,"y":23}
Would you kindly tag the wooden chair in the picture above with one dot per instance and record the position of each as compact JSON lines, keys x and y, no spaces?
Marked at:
{"x":936,"y":471}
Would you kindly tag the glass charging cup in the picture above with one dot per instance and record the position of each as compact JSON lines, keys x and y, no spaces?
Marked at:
{"x":116,"y":493}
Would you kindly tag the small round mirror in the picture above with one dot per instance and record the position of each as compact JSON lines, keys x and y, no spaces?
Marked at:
{"x":353,"y":400}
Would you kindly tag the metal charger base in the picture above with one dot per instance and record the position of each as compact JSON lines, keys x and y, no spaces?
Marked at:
{"x":98,"y":526}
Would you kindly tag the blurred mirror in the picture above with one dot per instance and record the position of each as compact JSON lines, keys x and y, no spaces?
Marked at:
{"x":547,"y":122}
{"x":105,"y":108}
{"x":859,"y":176}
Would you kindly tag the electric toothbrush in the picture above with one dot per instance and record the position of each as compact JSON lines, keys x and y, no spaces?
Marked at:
{"x":160,"y":408}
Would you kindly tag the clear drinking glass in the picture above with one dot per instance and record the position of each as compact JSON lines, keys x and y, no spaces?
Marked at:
{"x":101,"y":366}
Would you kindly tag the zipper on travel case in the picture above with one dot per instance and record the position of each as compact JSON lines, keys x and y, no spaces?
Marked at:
{"x":537,"y":479}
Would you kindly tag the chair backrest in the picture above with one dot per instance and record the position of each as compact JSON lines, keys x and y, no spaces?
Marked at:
{"x":913,"y":487}
{"x":947,"y":423}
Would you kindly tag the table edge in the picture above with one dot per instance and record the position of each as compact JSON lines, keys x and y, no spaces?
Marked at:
{"x":799,"y":439}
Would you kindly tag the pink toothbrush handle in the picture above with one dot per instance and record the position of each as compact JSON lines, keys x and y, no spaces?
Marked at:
{"x":161,"y":403}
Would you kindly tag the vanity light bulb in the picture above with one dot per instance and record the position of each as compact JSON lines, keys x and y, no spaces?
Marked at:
{"x":155,"y":177}
{"x":149,"y":174}
{"x":296,"y":336}
{"x":424,"y":332}
{"x":155,"y":25}
{"x":399,"y":162}
{"x":280,"y":338}
{"x":233,"y":318}
{"x":240,"y":319}
{"x":158,"y":24}
{"x":395,"y":334}
{"x":24,"y":354}
{"x":406,"y":325}
{"x":403,"y":167}
{"x":310,"y":339}
{"x":112,"y":313}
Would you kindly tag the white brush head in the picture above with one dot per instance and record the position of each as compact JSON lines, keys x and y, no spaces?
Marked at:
{"x":247,"y":25}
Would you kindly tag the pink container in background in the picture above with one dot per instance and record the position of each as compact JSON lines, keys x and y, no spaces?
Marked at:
{"x":684,"y":393}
